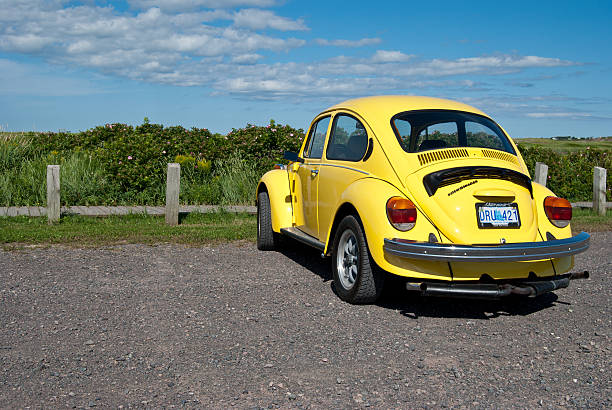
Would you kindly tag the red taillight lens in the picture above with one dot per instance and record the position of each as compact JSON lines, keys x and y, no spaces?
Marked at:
{"x":401,"y":213}
{"x":558,"y":211}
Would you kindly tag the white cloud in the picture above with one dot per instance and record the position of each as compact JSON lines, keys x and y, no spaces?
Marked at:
{"x":384,"y":56}
{"x":256,"y":19}
{"x":348,"y":43}
{"x":174,"y":5}
{"x":572,"y":115}
{"x":150,"y":45}
{"x":178,"y":47}
{"x":246,"y":58}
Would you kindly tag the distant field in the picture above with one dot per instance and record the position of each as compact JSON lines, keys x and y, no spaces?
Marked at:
{"x":604,"y":143}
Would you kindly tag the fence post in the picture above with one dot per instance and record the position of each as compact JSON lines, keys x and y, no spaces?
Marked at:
{"x":599,"y":190}
{"x":173,"y":184}
{"x":53,"y":193}
{"x":541,"y":171}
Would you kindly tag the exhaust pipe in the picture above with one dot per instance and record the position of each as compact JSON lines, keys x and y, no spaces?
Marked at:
{"x":579,"y":275}
{"x":491,"y":290}
{"x":478,"y":291}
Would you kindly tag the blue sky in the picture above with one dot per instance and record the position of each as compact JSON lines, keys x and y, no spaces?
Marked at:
{"x":540,"y":68}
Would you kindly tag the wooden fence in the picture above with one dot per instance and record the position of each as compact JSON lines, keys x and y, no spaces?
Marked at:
{"x":599,"y":185}
{"x":173,"y":184}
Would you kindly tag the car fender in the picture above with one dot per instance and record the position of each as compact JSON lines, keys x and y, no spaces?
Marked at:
{"x":276,"y":183}
{"x":368,"y":197}
{"x":540,"y":192}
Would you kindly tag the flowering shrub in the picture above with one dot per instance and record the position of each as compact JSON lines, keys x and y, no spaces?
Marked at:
{"x":137,"y":159}
{"x":130,"y":163}
{"x":263,"y":146}
{"x":570,"y":175}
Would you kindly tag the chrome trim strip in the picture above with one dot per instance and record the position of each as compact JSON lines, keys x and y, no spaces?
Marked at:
{"x":523,"y":251}
{"x":342,"y":166}
{"x":303,"y":237}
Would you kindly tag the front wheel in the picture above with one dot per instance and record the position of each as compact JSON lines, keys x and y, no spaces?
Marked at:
{"x":267,"y":239}
{"x":356,"y":277}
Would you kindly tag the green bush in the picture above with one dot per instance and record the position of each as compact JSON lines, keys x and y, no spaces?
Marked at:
{"x":570,"y":175}
{"x":263,"y":146}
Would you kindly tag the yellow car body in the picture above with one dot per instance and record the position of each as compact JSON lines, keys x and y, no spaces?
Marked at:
{"x":472,"y":168}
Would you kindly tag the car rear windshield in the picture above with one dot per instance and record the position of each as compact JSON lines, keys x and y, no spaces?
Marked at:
{"x":425,"y":130}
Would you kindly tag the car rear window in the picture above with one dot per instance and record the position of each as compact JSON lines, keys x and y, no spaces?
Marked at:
{"x":424,"y":130}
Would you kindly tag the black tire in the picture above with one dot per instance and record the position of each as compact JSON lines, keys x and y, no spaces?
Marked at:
{"x":267,"y":239}
{"x":359,"y":281}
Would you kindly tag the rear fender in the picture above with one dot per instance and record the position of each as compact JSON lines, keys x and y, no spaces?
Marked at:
{"x":368,"y":197}
{"x":546,"y":228}
{"x":540,"y":192}
{"x":276,"y":183}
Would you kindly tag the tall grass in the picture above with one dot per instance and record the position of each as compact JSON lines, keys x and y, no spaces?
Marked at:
{"x":238,"y":181}
{"x":83,"y":180}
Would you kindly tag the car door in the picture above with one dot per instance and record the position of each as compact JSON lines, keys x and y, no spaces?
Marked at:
{"x":307,"y":175}
{"x":343,"y":164}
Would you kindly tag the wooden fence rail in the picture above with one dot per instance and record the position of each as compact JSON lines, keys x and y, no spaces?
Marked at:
{"x":173,"y":185}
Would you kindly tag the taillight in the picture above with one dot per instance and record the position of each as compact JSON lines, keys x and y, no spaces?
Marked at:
{"x":401,"y":213}
{"x":558,"y":211}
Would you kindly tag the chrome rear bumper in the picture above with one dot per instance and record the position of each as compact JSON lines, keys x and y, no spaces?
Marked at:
{"x":509,"y":252}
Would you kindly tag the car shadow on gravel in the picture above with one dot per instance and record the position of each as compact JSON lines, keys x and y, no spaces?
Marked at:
{"x":413,"y":305}
{"x":307,"y":257}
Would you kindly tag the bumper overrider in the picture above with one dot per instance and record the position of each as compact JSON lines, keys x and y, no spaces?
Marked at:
{"x":512,"y":252}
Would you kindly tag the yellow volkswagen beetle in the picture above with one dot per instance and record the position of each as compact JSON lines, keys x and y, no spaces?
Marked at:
{"x":428,"y":189}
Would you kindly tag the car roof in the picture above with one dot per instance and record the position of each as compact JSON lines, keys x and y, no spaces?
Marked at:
{"x":388,"y":105}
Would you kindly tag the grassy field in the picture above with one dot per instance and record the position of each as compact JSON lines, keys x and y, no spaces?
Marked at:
{"x":194,"y":229}
{"x":586,"y":220}
{"x":604,"y":143}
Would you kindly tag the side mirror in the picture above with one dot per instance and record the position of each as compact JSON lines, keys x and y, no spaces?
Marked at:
{"x":292,"y":156}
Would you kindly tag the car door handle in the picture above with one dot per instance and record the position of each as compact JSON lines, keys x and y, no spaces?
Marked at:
{"x":314,"y":173}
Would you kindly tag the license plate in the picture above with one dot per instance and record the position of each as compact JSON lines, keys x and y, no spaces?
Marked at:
{"x":498,"y":215}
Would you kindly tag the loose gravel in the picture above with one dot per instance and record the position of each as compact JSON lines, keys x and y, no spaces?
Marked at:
{"x":134,"y":326}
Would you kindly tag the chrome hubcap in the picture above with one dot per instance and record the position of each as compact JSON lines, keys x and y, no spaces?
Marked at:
{"x":347,"y":259}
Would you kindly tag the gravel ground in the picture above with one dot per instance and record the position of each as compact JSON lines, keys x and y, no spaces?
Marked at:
{"x":214,"y":327}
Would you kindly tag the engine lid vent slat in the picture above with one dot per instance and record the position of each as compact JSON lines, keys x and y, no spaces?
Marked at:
{"x":504,"y":156}
{"x":440,"y":155}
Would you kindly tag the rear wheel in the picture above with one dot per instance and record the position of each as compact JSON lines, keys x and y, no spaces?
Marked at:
{"x":267,"y":239}
{"x":357,"y":279}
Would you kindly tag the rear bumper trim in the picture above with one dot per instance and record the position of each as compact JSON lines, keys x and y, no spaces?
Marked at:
{"x":509,"y":252}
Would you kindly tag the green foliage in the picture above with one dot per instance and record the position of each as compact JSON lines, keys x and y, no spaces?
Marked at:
{"x":121,"y":164}
{"x":237,"y":179}
{"x":263,"y":146}
{"x":570,"y":175}
{"x":83,"y":180}
{"x":136,"y":161}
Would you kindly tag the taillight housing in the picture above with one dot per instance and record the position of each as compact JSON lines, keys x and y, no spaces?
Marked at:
{"x":402,"y":213}
{"x":558,"y":211}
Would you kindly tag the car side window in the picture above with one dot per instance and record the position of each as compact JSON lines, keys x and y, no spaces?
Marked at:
{"x":348,"y":140}
{"x":316,"y":139}
{"x":403,"y":129}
